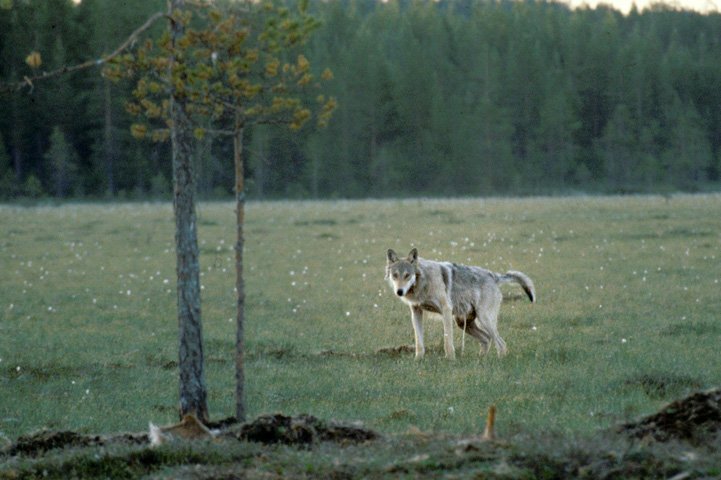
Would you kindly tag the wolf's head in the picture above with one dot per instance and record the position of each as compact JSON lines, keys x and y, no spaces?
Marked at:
{"x":401,"y":273}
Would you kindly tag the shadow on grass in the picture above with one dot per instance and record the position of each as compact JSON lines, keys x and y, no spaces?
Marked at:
{"x":660,"y":385}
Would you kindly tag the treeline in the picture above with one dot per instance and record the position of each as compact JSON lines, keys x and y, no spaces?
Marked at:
{"x":454,"y":97}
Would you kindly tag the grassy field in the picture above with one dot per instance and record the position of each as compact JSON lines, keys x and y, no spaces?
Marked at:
{"x":628,"y":316}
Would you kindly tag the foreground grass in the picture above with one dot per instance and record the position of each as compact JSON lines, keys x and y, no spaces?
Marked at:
{"x":398,"y":456}
{"x":627,"y":319}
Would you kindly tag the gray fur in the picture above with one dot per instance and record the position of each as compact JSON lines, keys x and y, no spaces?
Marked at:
{"x":469,"y":296}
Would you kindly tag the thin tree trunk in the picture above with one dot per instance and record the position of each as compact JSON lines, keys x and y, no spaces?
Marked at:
{"x":15,"y":135}
{"x":193,"y":394}
{"x":240,"y":411}
{"x":315,"y":173}
{"x":260,"y":167}
{"x":109,"y":146}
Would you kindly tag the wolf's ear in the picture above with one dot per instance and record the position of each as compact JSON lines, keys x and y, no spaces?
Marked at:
{"x":392,"y":256}
{"x":413,"y":255}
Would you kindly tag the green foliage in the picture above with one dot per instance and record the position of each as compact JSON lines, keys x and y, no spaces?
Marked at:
{"x":63,"y":161}
{"x":438,"y":98}
{"x":689,"y":156}
{"x":7,"y":176}
{"x":160,"y":186}
{"x":232,"y":67}
{"x":66,"y":33}
{"x":33,"y":188}
{"x":508,"y":98}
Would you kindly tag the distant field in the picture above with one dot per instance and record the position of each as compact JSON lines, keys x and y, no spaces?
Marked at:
{"x":628,"y":317}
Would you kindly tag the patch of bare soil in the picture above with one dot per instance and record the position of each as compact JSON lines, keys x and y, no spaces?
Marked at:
{"x":385,"y":351}
{"x":693,"y":419}
{"x":301,"y":430}
{"x":334,"y":353}
{"x":399,"y":350}
{"x":44,"y":441}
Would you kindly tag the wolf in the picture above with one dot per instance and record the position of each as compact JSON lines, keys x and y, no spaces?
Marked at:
{"x":469,"y":295}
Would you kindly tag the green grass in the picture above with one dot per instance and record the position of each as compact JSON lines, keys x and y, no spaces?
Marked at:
{"x":628,"y":316}
{"x":393,"y":457}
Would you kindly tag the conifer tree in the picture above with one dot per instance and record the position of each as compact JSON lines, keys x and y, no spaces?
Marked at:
{"x":64,"y":163}
{"x":7,"y":189}
{"x":229,"y":69}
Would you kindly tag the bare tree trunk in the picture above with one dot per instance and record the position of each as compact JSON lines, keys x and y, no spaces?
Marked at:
{"x":15,"y":135}
{"x":193,"y":393}
{"x":108,"y":144}
{"x":260,"y":166}
{"x":240,"y":411}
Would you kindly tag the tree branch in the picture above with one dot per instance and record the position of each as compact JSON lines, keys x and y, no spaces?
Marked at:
{"x":29,"y":81}
{"x":219,"y":132}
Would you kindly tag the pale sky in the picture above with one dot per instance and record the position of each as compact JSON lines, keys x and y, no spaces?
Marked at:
{"x":703,"y":6}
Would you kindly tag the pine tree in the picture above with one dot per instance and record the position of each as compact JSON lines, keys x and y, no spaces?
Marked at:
{"x":230,"y":69}
{"x":7,"y":178}
{"x":63,"y":161}
{"x":688,"y":157}
{"x":618,"y":149}
{"x":554,"y":147}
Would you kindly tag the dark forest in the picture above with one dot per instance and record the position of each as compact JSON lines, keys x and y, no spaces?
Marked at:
{"x":449,"y":98}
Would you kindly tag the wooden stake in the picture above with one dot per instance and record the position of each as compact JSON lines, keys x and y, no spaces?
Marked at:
{"x":490,"y":431}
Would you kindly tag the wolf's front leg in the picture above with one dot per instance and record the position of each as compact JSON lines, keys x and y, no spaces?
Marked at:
{"x":417,"y":319}
{"x":448,"y":333}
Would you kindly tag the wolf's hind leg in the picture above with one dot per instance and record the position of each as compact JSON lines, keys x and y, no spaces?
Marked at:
{"x":500,"y":345}
{"x":485,"y":340}
{"x":488,"y":328}
{"x":488,"y":320}
{"x":479,"y":334}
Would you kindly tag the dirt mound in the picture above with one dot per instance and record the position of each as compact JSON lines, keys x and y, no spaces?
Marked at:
{"x":44,"y":441}
{"x":692,"y":419}
{"x":301,"y":430}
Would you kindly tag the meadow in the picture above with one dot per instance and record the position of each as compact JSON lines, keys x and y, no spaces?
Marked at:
{"x":628,"y":314}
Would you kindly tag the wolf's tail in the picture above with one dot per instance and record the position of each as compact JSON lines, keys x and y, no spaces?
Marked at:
{"x":522,"y":279}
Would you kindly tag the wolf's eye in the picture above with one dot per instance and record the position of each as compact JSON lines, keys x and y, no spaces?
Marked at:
{"x":406,"y":276}
{"x":395,"y":275}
